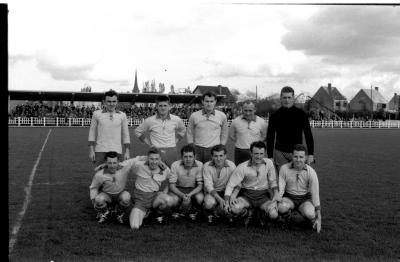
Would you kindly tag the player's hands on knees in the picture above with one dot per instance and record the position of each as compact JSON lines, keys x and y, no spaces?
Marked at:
{"x":186,"y":199}
{"x":317,"y":224}
{"x":277,"y":198}
{"x":227,"y":207}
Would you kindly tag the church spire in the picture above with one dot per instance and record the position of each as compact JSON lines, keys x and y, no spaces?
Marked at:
{"x":135,"y":87}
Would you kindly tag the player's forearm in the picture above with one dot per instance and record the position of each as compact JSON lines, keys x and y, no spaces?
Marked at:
{"x":196,"y":190}
{"x":176,"y":191}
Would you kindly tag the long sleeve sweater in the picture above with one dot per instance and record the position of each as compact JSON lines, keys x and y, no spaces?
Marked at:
{"x":285,"y":129}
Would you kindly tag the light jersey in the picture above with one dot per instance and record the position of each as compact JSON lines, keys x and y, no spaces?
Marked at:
{"x":217,"y":182}
{"x":245,"y":132}
{"x":300,"y":182}
{"x":162,"y":133}
{"x":207,"y":130}
{"x":249,"y":177}
{"x":108,"y":131}
{"x":183,"y":177}
{"x":112,"y":184}
{"x":147,"y":180}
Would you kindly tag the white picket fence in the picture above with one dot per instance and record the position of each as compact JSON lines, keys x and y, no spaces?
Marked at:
{"x":84,"y":122}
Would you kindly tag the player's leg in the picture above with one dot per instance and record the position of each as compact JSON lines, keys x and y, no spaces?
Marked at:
{"x":195,"y":205}
{"x":307,"y":209}
{"x":285,"y":205}
{"x":161,"y":206}
{"x":101,"y":205}
{"x":240,"y":207}
{"x":270,"y":209}
{"x":209,"y":202}
{"x":136,"y":217}
{"x":124,"y":202}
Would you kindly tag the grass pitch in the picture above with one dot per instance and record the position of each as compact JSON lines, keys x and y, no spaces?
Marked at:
{"x":359,"y":175}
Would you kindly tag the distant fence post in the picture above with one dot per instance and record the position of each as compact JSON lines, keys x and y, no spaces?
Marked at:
{"x":69,"y":121}
{"x":56,"y":121}
{"x":31,"y":121}
{"x":19,"y":121}
{"x":83,"y":121}
{"x":44,"y":121}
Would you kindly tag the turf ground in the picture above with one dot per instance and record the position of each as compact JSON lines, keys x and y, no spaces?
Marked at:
{"x":359,"y":175}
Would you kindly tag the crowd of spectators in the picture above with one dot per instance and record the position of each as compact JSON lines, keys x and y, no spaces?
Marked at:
{"x":140,"y":112}
{"x":37,"y":109}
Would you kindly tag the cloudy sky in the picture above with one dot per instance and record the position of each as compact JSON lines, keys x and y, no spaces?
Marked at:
{"x":65,"y":45}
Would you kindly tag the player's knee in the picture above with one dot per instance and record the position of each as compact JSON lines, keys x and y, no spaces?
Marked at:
{"x":199,"y":198}
{"x":100,"y":201}
{"x":283,"y":207}
{"x":125,"y":199}
{"x":209,"y":202}
{"x":273,"y":213}
{"x":309,"y":213}
{"x":237,"y":209}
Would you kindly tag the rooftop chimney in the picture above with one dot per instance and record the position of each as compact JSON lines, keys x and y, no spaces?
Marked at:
{"x":376,"y":88}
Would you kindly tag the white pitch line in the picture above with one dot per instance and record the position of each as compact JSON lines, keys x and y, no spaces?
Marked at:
{"x":27,"y":190}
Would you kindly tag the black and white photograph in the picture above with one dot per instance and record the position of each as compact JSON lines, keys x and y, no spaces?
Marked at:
{"x":202,"y":130}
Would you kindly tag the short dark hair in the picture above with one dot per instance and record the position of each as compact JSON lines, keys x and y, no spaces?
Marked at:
{"x":218,"y":148}
{"x":153,"y":150}
{"x":110,"y":93}
{"x":209,"y":94}
{"x":300,"y":147}
{"x":110,"y":154}
{"x":162,"y":99}
{"x":187,"y":149}
{"x":258,"y":144}
{"x":287,"y":89}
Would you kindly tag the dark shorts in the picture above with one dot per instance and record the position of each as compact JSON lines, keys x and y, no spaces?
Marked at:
{"x":255,"y":197}
{"x":241,"y":155}
{"x":168,"y":155}
{"x":100,"y":158}
{"x":298,"y":199}
{"x":143,"y":200}
{"x":281,"y":158}
{"x":203,"y":154}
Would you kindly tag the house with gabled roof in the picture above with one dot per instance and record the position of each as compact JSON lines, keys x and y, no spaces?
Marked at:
{"x":328,"y":97}
{"x":394,"y":103}
{"x":219,"y":90}
{"x":368,"y":99}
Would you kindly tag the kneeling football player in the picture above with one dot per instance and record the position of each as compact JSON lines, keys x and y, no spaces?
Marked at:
{"x":107,"y":190}
{"x":147,"y":194}
{"x":186,"y":184}
{"x":299,"y":188}
{"x":255,"y":178}
{"x":216,"y":174}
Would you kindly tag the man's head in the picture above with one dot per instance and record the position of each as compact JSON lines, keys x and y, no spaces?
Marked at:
{"x":218,"y":154}
{"x":257,"y":150}
{"x":248,"y":109}
{"x":163,"y":105}
{"x":287,"y":97}
{"x":299,"y":156}
{"x":153,"y":157}
{"x":110,"y":100}
{"x":209,"y":100}
{"x":111,"y":158}
{"x":188,"y":154}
